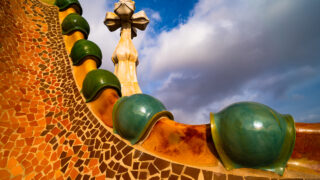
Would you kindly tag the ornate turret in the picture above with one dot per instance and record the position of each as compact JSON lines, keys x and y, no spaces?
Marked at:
{"x":125,"y":56}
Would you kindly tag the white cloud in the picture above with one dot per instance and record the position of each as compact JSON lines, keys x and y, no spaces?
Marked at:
{"x":156,"y":16}
{"x":241,"y":51}
{"x":310,"y":118}
{"x":201,"y":115}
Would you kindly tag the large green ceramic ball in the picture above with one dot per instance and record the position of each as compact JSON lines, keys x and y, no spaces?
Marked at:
{"x":75,"y":22}
{"x":249,"y":134}
{"x":65,"y":4}
{"x":83,"y":49}
{"x":96,"y":81}
{"x":134,"y":115}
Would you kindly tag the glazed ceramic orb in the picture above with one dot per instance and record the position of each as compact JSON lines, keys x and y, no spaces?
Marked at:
{"x":65,"y":4}
{"x":83,"y":49}
{"x":75,"y":22}
{"x":97,"y":80}
{"x":252,"y":135}
{"x":133,"y":116}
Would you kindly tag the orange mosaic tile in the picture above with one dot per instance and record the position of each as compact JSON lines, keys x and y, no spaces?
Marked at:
{"x":3,"y":162}
{"x":4,"y":174}
{"x":18,"y":170}
{"x":17,"y":177}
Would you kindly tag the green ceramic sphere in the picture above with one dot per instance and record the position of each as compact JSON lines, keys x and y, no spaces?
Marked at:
{"x":75,"y":22}
{"x":84,"y":49}
{"x":253,"y":135}
{"x":65,"y":4}
{"x":133,"y":116}
{"x":97,"y":80}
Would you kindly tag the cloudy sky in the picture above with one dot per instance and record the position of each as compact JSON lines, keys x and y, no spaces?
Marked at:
{"x":199,"y":56}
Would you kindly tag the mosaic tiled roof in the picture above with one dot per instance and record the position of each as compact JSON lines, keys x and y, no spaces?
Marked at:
{"x":46,"y":129}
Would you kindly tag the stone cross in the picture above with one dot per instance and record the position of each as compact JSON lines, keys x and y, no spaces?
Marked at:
{"x":125,"y":56}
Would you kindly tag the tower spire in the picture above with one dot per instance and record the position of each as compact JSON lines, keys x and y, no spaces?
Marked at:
{"x":125,"y":56}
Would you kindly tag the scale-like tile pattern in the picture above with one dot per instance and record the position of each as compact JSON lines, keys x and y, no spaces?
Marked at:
{"x":46,"y":129}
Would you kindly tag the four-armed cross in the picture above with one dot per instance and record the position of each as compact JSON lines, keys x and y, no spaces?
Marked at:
{"x":125,"y":56}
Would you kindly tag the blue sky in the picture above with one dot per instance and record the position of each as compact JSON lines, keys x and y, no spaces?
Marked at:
{"x":201,"y":56}
{"x":171,"y":16}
